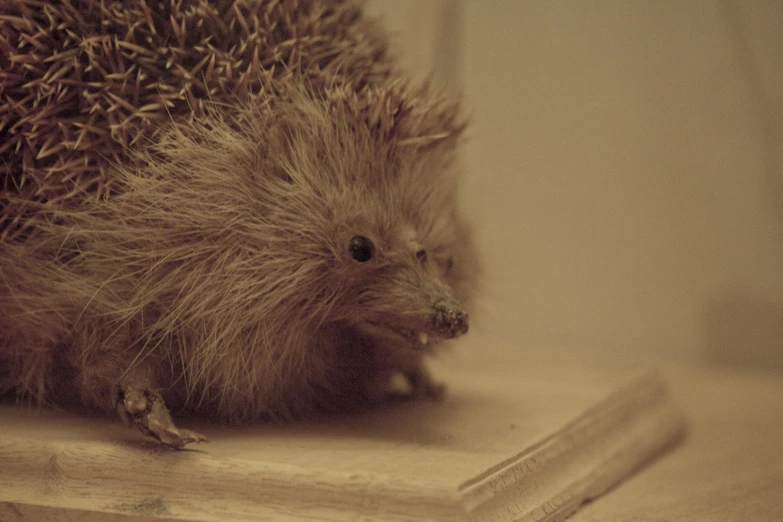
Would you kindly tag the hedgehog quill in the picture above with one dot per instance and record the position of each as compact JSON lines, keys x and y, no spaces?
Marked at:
{"x":236,"y":208}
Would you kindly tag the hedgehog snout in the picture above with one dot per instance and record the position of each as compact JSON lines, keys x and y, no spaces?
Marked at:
{"x":449,"y":319}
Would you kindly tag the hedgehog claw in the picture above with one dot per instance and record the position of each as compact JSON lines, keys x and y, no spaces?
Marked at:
{"x":146,"y":410}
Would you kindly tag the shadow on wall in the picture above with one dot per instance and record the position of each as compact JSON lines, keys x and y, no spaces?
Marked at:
{"x":744,"y":331}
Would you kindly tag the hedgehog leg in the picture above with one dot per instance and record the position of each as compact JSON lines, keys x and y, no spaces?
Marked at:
{"x":411,"y":366}
{"x":422,"y":384}
{"x":146,"y":410}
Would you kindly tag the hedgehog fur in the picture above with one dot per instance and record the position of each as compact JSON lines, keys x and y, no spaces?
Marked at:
{"x":238,"y":208}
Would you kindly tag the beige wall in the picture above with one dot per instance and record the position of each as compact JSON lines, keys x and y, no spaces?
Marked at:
{"x":426,"y":35}
{"x":626,"y":172}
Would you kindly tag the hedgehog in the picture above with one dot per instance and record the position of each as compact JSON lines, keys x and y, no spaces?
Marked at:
{"x":241,"y":209}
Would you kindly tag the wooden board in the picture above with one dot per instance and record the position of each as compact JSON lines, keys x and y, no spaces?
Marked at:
{"x":514,"y":440}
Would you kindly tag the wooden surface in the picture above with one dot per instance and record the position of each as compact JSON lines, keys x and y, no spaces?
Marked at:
{"x":728,"y":469}
{"x":514,"y":440}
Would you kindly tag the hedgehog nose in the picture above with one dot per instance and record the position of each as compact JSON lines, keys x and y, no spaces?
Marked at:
{"x":449,"y":319}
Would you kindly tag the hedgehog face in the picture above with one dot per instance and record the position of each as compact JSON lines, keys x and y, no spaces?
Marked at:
{"x":400,"y":292}
{"x":396,"y":260}
{"x":401,"y":258}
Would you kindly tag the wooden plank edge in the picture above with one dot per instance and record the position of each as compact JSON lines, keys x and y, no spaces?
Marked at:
{"x":585,"y":459}
{"x":103,"y":478}
{"x":15,"y":512}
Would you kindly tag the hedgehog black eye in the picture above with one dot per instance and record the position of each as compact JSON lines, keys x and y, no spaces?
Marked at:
{"x":361,"y":249}
{"x":450,"y":263}
{"x":421,"y":255}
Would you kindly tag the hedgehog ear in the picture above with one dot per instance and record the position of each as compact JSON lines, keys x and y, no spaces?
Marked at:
{"x":394,"y":113}
{"x":436,"y":119}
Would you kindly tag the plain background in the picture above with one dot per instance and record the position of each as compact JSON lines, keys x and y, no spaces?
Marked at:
{"x":624,"y":170}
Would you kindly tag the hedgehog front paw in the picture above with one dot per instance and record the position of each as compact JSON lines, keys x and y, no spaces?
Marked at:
{"x":424,"y":386}
{"x":146,"y":410}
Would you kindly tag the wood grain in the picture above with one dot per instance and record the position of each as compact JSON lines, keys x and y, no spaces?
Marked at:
{"x":514,"y":440}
